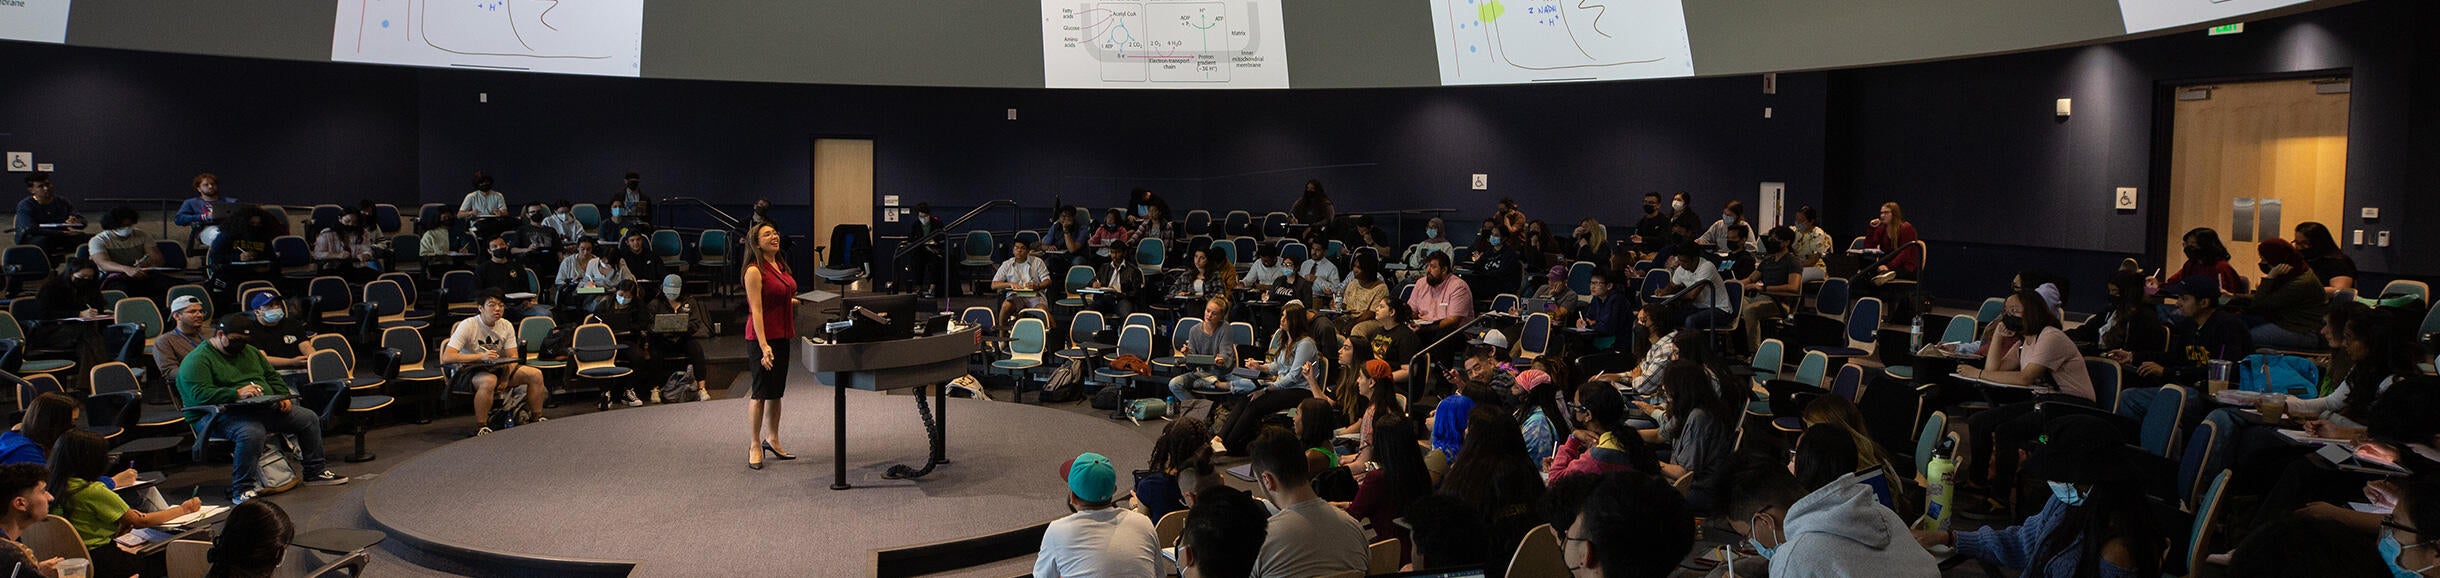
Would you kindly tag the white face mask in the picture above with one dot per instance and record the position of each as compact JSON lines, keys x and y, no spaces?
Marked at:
{"x":1677,"y":205}
{"x":672,"y":294}
{"x":124,"y":232}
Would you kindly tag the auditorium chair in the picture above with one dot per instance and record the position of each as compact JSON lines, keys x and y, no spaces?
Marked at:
{"x":1198,"y":223}
{"x":385,"y":216}
{"x":173,"y":254}
{"x":594,"y":356}
{"x":327,"y":391}
{"x":118,"y":381}
{"x":32,"y":366}
{"x":975,"y":253}
{"x":347,"y":360}
{"x":1150,"y":254}
{"x":1169,"y":364}
{"x":26,"y":267}
{"x":587,"y":214}
{"x":1028,"y":340}
{"x":1237,"y":224}
{"x":411,"y":370}
{"x":1274,"y":226}
{"x":140,"y":311}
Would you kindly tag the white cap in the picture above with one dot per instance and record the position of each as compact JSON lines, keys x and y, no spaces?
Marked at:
{"x":1492,"y":338}
{"x":182,"y":302}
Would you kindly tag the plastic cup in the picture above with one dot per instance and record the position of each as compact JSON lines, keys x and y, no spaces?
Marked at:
{"x":75,"y":568}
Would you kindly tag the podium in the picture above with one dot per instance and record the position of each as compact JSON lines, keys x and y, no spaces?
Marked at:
{"x":932,"y":360}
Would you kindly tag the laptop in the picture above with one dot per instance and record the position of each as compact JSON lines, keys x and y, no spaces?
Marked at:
{"x":669,"y":323}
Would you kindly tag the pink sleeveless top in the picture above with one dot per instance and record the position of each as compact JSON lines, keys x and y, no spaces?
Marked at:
{"x":778,"y":298}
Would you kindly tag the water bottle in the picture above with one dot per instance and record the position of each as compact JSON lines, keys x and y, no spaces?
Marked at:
{"x":1939,"y":493}
{"x":1915,"y":335}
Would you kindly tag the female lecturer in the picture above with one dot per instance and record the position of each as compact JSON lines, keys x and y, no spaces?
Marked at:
{"x":771,"y":326}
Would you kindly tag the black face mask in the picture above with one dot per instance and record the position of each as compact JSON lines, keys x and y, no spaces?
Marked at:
{"x":2014,"y":323}
{"x":2266,"y":267}
{"x":1651,"y":209}
{"x":501,"y":254}
{"x":536,"y":218}
{"x":2194,"y":253}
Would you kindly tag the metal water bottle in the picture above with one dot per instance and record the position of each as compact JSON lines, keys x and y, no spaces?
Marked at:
{"x":1915,"y":335}
{"x":1939,"y":492}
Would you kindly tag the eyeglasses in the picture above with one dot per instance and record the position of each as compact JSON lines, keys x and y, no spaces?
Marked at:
{"x":1576,"y":407}
{"x":2391,"y":522}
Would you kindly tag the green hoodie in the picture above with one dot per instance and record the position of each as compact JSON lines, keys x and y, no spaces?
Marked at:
{"x":208,"y":377}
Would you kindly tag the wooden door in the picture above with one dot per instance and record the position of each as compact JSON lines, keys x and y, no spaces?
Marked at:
{"x":842,"y":185}
{"x":2283,"y":140}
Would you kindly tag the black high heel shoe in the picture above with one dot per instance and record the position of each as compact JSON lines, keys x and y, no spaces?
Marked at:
{"x":776,"y":453}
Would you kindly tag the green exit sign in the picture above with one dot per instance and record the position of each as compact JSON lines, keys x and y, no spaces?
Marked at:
{"x":2229,"y":28}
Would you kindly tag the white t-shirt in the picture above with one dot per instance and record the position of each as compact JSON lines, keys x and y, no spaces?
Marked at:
{"x":1104,"y":542}
{"x":1312,"y":538}
{"x":484,"y":204}
{"x":472,"y":337}
{"x":566,"y":225}
{"x":1704,"y":274}
{"x":1027,"y":272}
{"x":121,"y":250}
{"x":1260,"y":274}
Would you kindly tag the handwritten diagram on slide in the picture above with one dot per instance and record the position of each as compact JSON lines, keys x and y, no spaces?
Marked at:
{"x":1516,"y":41}
{"x":1163,"y":44}
{"x":34,"y":20}
{"x":2148,"y":15}
{"x":604,"y":37}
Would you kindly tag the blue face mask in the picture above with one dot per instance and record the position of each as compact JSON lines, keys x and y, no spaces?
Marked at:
{"x":1757,"y":544}
{"x":1429,"y":232}
{"x":622,"y":300}
{"x":1495,"y":241}
{"x":616,"y":212}
{"x":2391,"y":549}
{"x":2068,"y":494}
{"x":273,"y":316}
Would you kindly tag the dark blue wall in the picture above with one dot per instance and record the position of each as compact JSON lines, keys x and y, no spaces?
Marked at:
{"x":1972,"y":150}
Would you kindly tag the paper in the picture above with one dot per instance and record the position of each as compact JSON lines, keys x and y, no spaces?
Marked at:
{"x":2369,"y":508}
{"x":2299,"y":437}
{"x":208,"y":512}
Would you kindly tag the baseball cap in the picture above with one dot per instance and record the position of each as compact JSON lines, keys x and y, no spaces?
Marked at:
{"x":672,"y":282}
{"x":1492,"y":338}
{"x":237,"y":324}
{"x":1532,"y":378}
{"x":2203,"y":286}
{"x":2078,"y":449}
{"x":1091,"y":477}
{"x":183,"y":302}
{"x":259,"y":300}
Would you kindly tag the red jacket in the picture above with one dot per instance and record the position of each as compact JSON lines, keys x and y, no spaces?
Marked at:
{"x":1905,"y":257}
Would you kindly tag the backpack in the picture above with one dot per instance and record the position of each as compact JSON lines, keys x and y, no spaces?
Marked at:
{"x":1109,"y":398}
{"x":555,"y":345}
{"x":1061,"y":387}
{"x":968,"y":386}
{"x":277,"y":467}
{"x":680,"y":387}
{"x":2272,"y":373}
{"x":1147,"y":408}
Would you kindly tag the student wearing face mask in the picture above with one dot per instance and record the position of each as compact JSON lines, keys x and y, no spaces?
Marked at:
{"x":562,"y":222}
{"x":1652,"y":230}
{"x":631,"y":194}
{"x":485,"y":211}
{"x":535,"y":244}
{"x":1717,"y":237}
{"x":1838,"y":529}
{"x":636,"y":260}
{"x":1435,"y":240}
{"x":2286,"y":309}
{"x":228,"y":369}
{"x":500,"y":269}
{"x":622,"y":309}
{"x":1495,"y":261}
{"x":65,"y":311}
{"x":678,"y":350}
{"x":627,"y":219}
{"x":2095,"y":522}
{"x":125,"y":253}
{"x":346,"y":249}
{"x":2026,"y":347}
{"x":1681,"y":214}
{"x":1811,"y":241}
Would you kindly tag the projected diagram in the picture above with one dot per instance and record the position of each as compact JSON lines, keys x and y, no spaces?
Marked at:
{"x":1185,"y":44}
{"x":2149,"y":15}
{"x":1514,"y":41}
{"x":34,"y":20}
{"x":604,"y":37}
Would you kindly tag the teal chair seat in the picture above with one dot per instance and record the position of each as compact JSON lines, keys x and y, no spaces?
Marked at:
{"x":1017,"y":363}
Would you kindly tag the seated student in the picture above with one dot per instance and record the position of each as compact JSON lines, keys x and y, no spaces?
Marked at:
{"x":25,"y":498}
{"x":1835,"y":411}
{"x":1210,"y":338}
{"x":65,"y":313}
{"x":1226,"y":531}
{"x":1602,"y":441}
{"x":1632,"y":526}
{"x":501,"y":270}
{"x":1537,"y":411}
{"x":2095,"y":521}
{"x":476,"y":345}
{"x":439,"y":239}
{"x":1359,"y":291}
{"x":2310,"y":546}
{"x":1823,"y":453}
{"x":1775,"y":271}
{"x":1608,"y":311}
{"x":1494,"y":475}
{"x":1448,"y":534}
{"x":46,"y":220}
{"x":1064,"y":243}
{"x":2286,"y":308}
{"x":1099,"y":538}
{"x":1321,"y":276}
{"x":623,"y":311}
{"x":2321,"y":254}
{"x":1720,"y":236}
{"x":1266,"y":273}
{"x":536,"y":245}
{"x":1395,"y":476}
{"x":1893,"y":235}
{"x":1699,"y":426}
{"x":1316,"y":423}
{"x":1695,"y":286}
{"x":680,"y":350}
{"x":2206,"y":257}
{"x":286,"y":340}
{"x":1496,"y":260}
{"x":1737,"y":260}
{"x":584,"y":269}
{"x":1651,"y":228}
{"x":2201,"y":333}
{"x":1837,"y":529}
{"x":188,"y":328}
{"x":227,"y":370}
{"x":1284,"y":384}
{"x":1441,"y":301}
{"x":1656,"y":321}
{"x":1434,"y":241}
{"x":2128,"y":323}
{"x":562,"y":221}
{"x":253,"y":541}
{"x":123,"y":252}
{"x":636,"y":259}
{"x":1158,"y":489}
{"x":2027,"y":348}
{"x":1021,"y":280}
{"x":1486,"y":364}
{"x":47,"y":416}
{"x":1397,"y":342}
{"x":350,"y":248}
{"x":1307,"y":537}
{"x":1811,"y":241}
{"x":99,"y":514}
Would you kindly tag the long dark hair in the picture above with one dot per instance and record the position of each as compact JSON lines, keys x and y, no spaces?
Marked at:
{"x":1609,"y":409}
{"x":252,"y":543}
{"x":2111,"y":511}
{"x":1397,"y":446}
{"x":2128,"y":309}
{"x":1367,"y":267}
{"x":50,"y":415}
{"x":2391,"y":352}
{"x":1493,"y":473}
{"x":2207,"y":247}
{"x":1826,"y":452}
{"x":1316,"y":422}
{"x":78,"y":459}
{"x":1690,"y":387}
{"x":1178,"y":444}
{"x":2316,"y":238}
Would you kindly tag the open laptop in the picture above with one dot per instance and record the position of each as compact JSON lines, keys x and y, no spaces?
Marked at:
{"x":669,"y":323}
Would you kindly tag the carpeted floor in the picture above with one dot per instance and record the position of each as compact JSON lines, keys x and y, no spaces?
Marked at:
{"x":662,"y":487}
